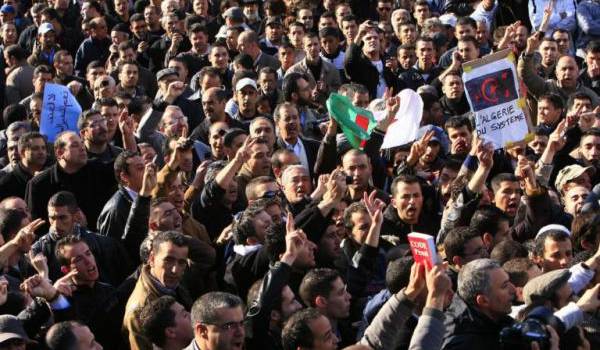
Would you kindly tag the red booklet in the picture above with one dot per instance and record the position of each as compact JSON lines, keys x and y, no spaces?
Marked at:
{"x":423,"y":249}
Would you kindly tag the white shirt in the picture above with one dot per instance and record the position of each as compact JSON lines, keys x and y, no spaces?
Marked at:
{"x":299,"y":151}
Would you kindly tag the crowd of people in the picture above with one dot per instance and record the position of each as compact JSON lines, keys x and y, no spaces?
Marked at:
{"x":209,"y":201}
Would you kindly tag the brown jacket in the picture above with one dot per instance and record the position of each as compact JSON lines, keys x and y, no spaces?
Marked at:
{"x":145,"y":291}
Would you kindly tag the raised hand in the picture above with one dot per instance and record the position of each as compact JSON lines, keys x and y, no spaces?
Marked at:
{"x":374,"y":207}
{"x":533,"y":43}
{"x":174,"y":90}
{"x":437,"y":281}
{"x":485,"y":154}
{"x":26,"y":235}
{"x":149,"y":180}
{"x":416,"y":283}
{"x":418,"y":148}
{"x":125,"y":122}
{"x":65,"y":284}
{"x":243,"y":154}
{"x":39,"y":287}
{"x":40,"y":263}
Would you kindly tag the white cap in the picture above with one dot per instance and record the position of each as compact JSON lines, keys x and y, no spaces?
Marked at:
{"x":553,"y":227}
{"x":242,"y":83}
{"x":448,"y":19}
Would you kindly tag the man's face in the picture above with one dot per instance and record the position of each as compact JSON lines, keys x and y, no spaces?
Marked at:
{"x":199,"y":40}
{"x":85,"y":338}
{"x":305,"y":17}
{"x":296,"y":34}
{"x":361,"y":99}
{"x":361,"y":222}
{"x":122,"y":7}
{"x":93,"y":74}
{"x":267,"y":82}
{"x":501,"y":292}
{"x":182,"y":323}
{"x":557,"y":255}
{"x":408,"y":34}
{"x":135,"y":173}
{"x":502,"y":232}
{"x":358,"y":167}
{"x":219,"y":57}
{"x":467,"y":50}
{"x":562,"y":39}
{"x":481,"y":34}
{"x":371,"y":40}
{"x":164,"y":217}
{"x":264,"y":130}
{"x":168,"y":264}
{"x":174,"y":123}
{"x":96,"y":131}
{"x":13,"y":151}
{"x":246,"y":98}
{"x":520,"y":38}
{"x":312,"y":48}
{"x":274,"y":32}
{"x":129,"y":76}
{"x":74,"y":151}
{"x":447,"y":176}
{"x":421,"y":13}
{"x":200,"y":7}
{"x":289,"y":304}
{"x":9,"y":34}
{"x":286,"y":57}
{"x":338,"y":301}
{"x":425,"y":53}
{"x":549,"y":52}
{"x":590,"y":148}
{"x":296,"y":185}
{"x":574,"y":199}
{"x":172,"y":25}
{"x":460,"y":140}
{"x":453,"y":87}
{"x":101,"y":30}
{"x":538,"y":144}
{"x":259,"y":163}
{"x":65,"y":65}
{"x":547,"y":113}
{"x":35,"y":105}
{"x":592,"y":61}
{"x":303,"y":94}
{"x":329,"y":245}
{"x":111,"y":114}
{"x":464,"y":30}
{"x":407,"y":58}
{"x":567,"y":72}
{"x":175,"y":192}
{"x":36,"y":153}
{"x":508,"y":197}
{"x":82,"y":260}
{"x":151,"y":16}
{"x":62,"y":221}
{"x":408,"y":201}
{"x":327,"y":22}
{"x":139,"y":29}
{"x":215,"y":138}
{"x":323,"y":335}
{"x":213,"y":108}
{"x":288,"y":124}
{"x":40,"y":80}
{"x":349,"y":29}
{"x":474,"y":249}
{"x":228,"y":333}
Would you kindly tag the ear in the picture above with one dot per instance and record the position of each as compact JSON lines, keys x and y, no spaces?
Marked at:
{"x":488,"y":240}
{"x":201,"y":330}
{"x":393,"y":202}
{"x":482,"y":301}
{"x":151,"y":258}
{"x":275,"y":316}
{"x":538,"y":260}
{"x":519,"y":293}
{"x":170,"y":332}
{"x":320,"y":302}
{"x":456,"y":261}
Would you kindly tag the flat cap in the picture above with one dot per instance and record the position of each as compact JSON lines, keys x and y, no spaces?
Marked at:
{"x":544,"y":287}
{"x":163,"y":73}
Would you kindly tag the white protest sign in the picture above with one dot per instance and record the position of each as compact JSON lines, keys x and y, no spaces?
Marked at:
{"x":60,"y":111}
{"x":406,"y":124}
{"x":492,"y":90}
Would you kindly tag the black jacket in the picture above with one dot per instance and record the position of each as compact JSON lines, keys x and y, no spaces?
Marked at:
{"x":468,"y":328}
{"x":92,"y":185}
{"x":359,"y":69}
{"x":14,"y":183}
{"x":113,"y":217}
{"x":429,"y":223}
{"x":311,"y":148}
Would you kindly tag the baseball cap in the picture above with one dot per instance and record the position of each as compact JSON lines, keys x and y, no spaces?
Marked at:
{"x":569,"y":173}
{"x":45,"y":28}
{"x":234,"y":13}
{"x":448,"y":19}
{"x":242,"y":83}
{"x":11,"y":328}
{"x":163,"y":73}
{"x":7,"y":9}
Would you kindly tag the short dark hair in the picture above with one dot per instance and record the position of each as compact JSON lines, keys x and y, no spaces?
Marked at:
{"x":16,"y":51}
{"x":456,"y":239}
{"x":61,"y":336}
{"x":585,"y":228}
{"x":244,"y":60}
{"x":397,"y":274}
{"x":205,"y":308}
{"x":107,"y":102}
{"x":457,"y":122}
{"x":487,"y":219}
{"x":356,"y":207}
{"x":43,"y":69}
{"x":540,"y":240}
{"x":121,"y":165}
{"x":64,"y":199}
{"x":10,"y":222}
{"x":26,"y":139}
{"x":317,"y":282}
{"x":297,"y":332}
{"x":502,"y":177}
{"x":469,"y":39}
{"x":197,"y":28}
{"x":243,"y":227}
{"x":581,"y":95}
{"x":136,"y":17}
{"x":290,"y":84}
{"x":405,"y":178}
{"x":466,"y":20}
{"x":155,"y":316}
{"x":50,"y":12}
{"x":507,"y":250}
{"x":555,"y":99}
{"x":94,"y":64}
{"x":593,"y":46}
{"x":84,"y":118}
{"x":517,"y":271}
{"x":69,"y":240}
{"x":173,"y":237}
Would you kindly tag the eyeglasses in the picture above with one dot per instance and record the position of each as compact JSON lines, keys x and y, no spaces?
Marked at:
{"x":229,"y":325}
{"x":271,"y":194}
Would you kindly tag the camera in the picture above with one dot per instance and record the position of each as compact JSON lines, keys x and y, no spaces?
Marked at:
{"x":520,"y":335}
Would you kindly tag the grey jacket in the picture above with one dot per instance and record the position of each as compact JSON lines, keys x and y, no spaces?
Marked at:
{"x":382,"y":332}
{"x":429,"y":333}
{"x":329,"y":74}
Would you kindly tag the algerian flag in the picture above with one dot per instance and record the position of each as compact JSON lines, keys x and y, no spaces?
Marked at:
{"x":356,"y":123}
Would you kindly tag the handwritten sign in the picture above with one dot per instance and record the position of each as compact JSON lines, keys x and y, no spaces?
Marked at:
{"x":60,"y":111}
{"x":493,"y":94}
